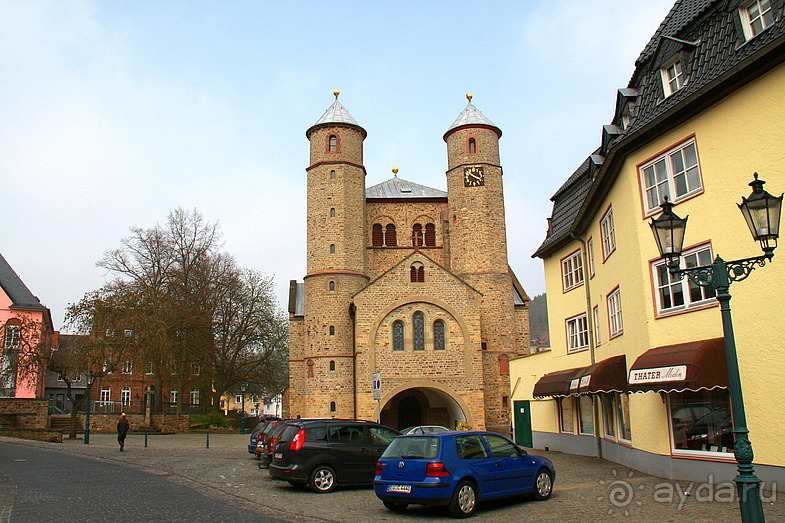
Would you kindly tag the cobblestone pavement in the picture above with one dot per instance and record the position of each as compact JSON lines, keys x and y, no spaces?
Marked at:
{"x":587,"y":489}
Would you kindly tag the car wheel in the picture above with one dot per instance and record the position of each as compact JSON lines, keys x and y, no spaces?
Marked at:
{"x":395,"y":507}
{"x":322,"y":479}
{"x":464,"y":500}
{"x":543,"y":485}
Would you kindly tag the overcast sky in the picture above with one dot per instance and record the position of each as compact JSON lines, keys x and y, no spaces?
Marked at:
{"x":112,"y":114}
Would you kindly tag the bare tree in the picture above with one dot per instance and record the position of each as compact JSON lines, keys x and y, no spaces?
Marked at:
{"x":25,"y":351}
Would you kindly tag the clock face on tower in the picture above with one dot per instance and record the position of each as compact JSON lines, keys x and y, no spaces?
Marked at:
{"x":473,"y":176}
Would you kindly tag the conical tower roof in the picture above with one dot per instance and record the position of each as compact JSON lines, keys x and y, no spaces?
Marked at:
{"x":335,"y":114}
{"x":471,"y":116}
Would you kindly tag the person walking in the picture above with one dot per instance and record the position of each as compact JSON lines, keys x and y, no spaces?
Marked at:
{"x":122,"y":430}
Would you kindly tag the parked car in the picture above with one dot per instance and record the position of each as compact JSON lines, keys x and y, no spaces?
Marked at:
{"x":458,"y":470}
{"x":422,"y":429}
{"x":264,"y":450}
{"x":325,"y":453}
{"x":258,"y":433}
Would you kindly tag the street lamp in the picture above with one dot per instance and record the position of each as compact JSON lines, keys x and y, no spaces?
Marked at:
{"x":242,"y":412}
{"x":762,"y":212}
{"x":90,"y":380}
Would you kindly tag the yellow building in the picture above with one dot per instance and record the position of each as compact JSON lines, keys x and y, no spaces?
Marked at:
{"x":636,"y":372}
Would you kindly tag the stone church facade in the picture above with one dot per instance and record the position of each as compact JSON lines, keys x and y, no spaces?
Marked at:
{"x":408,"y":281}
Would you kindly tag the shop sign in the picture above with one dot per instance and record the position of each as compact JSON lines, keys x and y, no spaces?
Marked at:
{"x":659,"y":374}
{"x":585,"y":380}
{"x":574,"y":384}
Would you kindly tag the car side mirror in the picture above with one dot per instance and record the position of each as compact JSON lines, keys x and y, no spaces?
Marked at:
{"x":523,"y":451}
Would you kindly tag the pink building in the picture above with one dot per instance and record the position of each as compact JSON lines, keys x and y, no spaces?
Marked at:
{"x":24,"y":323}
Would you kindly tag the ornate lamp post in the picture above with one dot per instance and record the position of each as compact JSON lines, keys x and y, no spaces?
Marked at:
{"x":90,"y":380}
{"x":762,"y":213}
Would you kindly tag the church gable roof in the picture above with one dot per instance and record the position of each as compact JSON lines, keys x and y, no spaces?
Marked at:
{"x":398,"y":188}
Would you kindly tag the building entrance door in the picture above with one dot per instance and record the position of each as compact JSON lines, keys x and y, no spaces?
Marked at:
{"x":523,"y":423}
{"x":409,"y":412}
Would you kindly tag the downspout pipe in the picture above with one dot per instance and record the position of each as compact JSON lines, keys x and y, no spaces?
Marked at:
{"x":592,"y":344}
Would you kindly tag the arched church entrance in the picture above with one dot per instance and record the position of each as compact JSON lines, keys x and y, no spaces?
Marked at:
{"x":422,"y":406}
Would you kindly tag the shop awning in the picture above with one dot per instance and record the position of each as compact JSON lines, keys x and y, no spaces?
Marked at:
{"x":693,"y":366}
{"x":608,"y":375}
{"x":555,"y":383}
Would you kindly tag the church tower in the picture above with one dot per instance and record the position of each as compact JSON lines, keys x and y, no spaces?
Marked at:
{"x":478,"y":243}
{"x":335,"y":261}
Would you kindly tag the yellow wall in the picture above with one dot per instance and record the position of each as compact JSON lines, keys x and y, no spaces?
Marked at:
{"x":742,"y":134}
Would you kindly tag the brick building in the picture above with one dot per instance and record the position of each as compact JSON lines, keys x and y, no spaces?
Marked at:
{"x":408,"y":281}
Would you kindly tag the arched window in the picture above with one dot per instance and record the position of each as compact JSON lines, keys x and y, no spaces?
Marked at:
{"x":390,"y":237}
{"x":417,"y":235}
{"x":332,"y":286}
{"x":332,"y":212}
{"x":430,"y":235}
{"x":332,"y":174}
{"x":332,"y":248}
{"x":472,"y":145}
{"x":377,"y":236}
{"x":438,"y":335}
{"x":332,"y":406}
{"x":418,"y":323}
{"x":504,"y":364}
{"x":332,"y":330}
{"x":417,"y":272}
{"x":332,"y":364}
{"x":332,"y":143}
{"x":397,"y":328}
{"x":310,"y":368}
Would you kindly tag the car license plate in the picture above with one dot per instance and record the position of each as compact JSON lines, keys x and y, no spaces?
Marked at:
{"x":406,"y":489}
{"x":278,"y":455}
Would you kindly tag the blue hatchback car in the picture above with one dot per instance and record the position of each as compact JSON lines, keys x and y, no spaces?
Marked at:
{"x":458,"y":469}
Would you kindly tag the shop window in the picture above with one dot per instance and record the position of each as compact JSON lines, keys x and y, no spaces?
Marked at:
{"x":430,"y":235}
{"x":572,"y":270}
{"x":417,"y":238}
{"x":504,"y":364}
{"x":755,"y":17}
{"x":438,"y":335}
{"x":623,"y":417}
{"x":585,"y":415}
{"x":309,"y":365}
{"x":390,"y":236}
{"x":701,"y":422}
{"x":577,"y":333}
{"x":566,"y":423}
{"x":377,"y":236}
{"x":675,"y":174}
{"x":332,"y":364}
{"x":608,"y":414}
{"x":418,"y":325}
{"x":616,"y":325}
{"x":608,"y":234}
{"x":397,"y":328}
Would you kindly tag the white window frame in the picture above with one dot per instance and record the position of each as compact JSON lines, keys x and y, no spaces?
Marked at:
{"x":694,"y":257}
{"x":572,"y":270}
{"x":577,"y":329}
{"x":615,"y":321}
{"x":747,"y":21}
{"x":196,"y":369}
{"x":173,"y":396}
{"x":194,"y":397}
{"x":673,"y":77}
{"x":690,"y":174}
{"x":596,"y":315}
{"x":608,"y":233}
{"x":590,"y":248}
{"x":125,"y":396}
{"x":106,"y":394}
{"x":128,"y":367}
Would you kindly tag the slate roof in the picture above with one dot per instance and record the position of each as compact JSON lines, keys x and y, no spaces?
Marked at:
{"x":17,"y":291}
{"x":397,"y":188}
{"x":472,"y":116}
{"x":335,"y":114}
{"x":708,"y":36}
